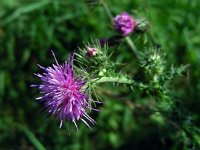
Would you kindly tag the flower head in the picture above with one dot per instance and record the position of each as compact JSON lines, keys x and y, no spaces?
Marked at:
{"x":64,"y":95}
{"x":91,"y":51}
{"x":124,"y":23}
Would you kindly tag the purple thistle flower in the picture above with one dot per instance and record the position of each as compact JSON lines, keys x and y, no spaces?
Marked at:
{"x":124,"y":23}
{"x":64,"y":95}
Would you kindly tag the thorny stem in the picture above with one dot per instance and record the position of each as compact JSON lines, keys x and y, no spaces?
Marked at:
{"x":118,"y":80}
{"x":113,"y":79}
{"x":128,"y":40}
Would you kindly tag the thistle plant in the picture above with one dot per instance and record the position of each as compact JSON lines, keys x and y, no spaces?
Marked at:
{"x":67,"y":96}
{"x":121,"y":66}
{"x":69,"y":89}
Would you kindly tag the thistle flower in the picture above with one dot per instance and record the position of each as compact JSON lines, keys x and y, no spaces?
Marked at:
{"x":64,"y":95}
{"x":124,"y":23}
{"x":91,"y":51}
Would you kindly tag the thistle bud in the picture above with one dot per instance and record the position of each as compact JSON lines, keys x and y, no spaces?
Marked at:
{"x":124,"y":23}
{"x":91,"y":51}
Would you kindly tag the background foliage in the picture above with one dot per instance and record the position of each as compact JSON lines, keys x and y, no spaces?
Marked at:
{"x":30,"y":29}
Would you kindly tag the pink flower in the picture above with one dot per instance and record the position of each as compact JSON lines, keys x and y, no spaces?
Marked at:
{"x":124,"y":23}
{"x":64,"y":93}
{"x":91,"y":51}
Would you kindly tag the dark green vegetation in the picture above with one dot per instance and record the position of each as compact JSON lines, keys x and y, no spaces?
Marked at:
{"x":30,"y":29}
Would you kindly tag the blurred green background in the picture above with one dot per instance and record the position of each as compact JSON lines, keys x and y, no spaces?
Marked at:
{"x":29,"y":29}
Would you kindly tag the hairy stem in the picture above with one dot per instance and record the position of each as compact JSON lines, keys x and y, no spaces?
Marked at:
{"x":118,"y":80}
{"x":114,"y":79}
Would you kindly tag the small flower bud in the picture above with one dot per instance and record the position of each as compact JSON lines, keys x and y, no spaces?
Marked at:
{"x":91,"y":51}
{"x":124,"y":23}
{"x":102,"y":72}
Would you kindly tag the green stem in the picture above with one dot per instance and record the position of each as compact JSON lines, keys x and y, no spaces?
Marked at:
{"x":113,"y":79}
{"x":118,"y":80}
{"x":128,"y":40}
{"x":132,"y":45}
